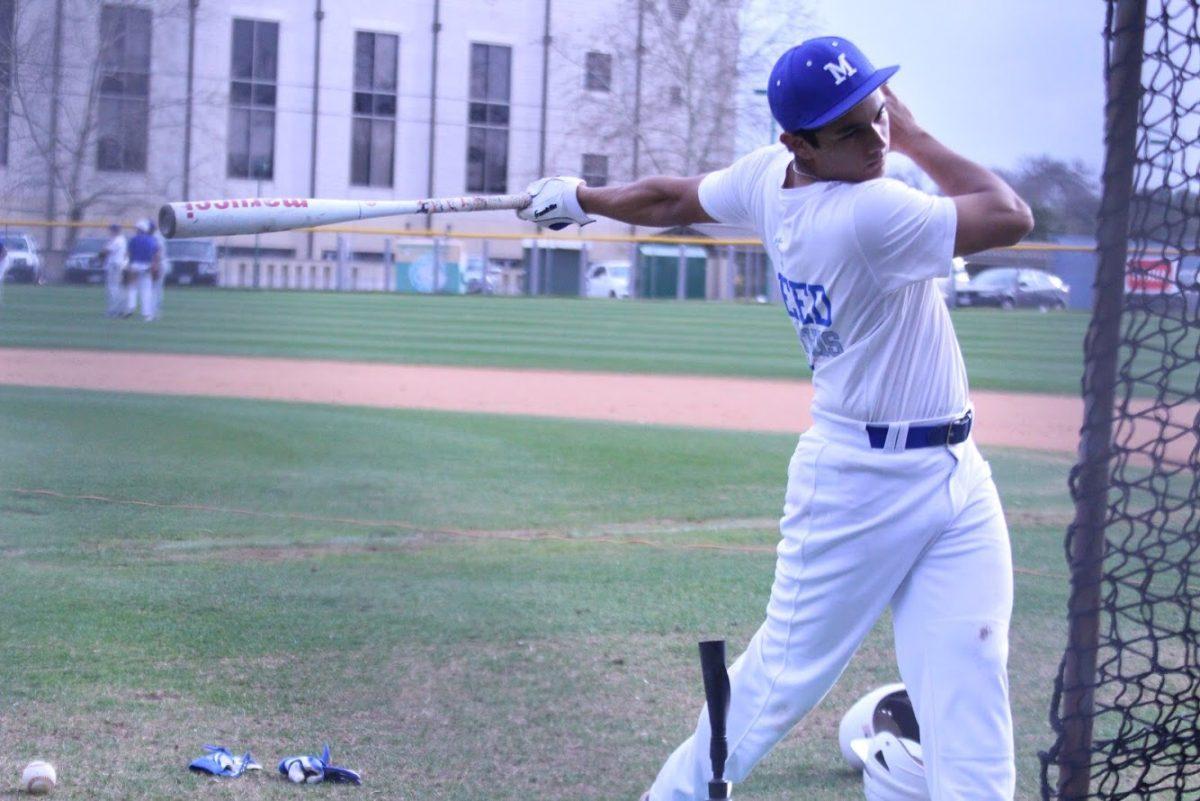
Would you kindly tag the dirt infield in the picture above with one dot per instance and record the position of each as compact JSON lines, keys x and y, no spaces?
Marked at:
{"x":1020,"y":420}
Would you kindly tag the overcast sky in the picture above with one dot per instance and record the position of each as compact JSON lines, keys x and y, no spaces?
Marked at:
{"x":993,"y":79}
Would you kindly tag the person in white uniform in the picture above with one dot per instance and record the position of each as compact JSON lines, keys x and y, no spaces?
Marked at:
{"x":164,"y":267}
{"x":3,"y":265}
{"x":114,"y":255}
{"x":889,"y":501}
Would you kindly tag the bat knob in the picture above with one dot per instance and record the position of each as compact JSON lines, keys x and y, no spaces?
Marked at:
{"x":719,"y":791}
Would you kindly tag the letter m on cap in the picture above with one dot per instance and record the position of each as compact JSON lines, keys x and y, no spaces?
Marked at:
{"x":841,"y":70}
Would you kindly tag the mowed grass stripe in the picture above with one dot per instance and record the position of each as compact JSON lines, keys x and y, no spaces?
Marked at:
{"x":263,"y":334}
{"x":446,"y":313}
{"x":501,"y":351}
{"x":1021,"y":351}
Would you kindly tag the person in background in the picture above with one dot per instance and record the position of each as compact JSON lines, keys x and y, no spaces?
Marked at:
{"x":114,"y":255}
{"x":144,"y":268}
{"x":3,"y":265}
{"x":164,"y":267}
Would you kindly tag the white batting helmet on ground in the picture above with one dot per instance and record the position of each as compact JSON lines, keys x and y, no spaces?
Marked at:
{"x":886,"y":708}
{"x":893,"y":769}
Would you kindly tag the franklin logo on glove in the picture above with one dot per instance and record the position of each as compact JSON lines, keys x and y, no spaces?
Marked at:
{"x":555,"y":203}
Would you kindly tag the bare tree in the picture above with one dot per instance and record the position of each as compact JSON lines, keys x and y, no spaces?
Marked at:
{"x":1064,"y":196}
{"x":81,"y":113}
{"x":700,"y":62}
{"x":769,"y":28}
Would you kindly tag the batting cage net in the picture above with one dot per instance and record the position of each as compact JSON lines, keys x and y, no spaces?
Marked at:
{"x":1126,"y":704}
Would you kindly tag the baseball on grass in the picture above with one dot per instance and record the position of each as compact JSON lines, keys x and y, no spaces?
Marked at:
{"x":38,"y":778}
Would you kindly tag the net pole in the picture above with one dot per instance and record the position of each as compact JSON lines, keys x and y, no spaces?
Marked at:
{"x":1101,"y":348}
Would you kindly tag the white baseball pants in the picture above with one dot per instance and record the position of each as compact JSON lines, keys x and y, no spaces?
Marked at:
{"x":141,"y":292}
{"x":921,"y":530}
{"x":115,"y":288}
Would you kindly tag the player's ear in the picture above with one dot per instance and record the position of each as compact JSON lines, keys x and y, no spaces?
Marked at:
{"x":800,"y":147}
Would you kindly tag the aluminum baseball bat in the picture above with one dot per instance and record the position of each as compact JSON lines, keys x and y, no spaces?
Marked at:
{"x":262,"y":215}
{"x":716,"y":693}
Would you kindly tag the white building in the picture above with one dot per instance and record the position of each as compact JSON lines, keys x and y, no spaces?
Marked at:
{"x":375,"y":99}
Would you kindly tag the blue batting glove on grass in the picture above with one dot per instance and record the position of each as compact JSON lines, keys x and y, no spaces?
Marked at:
{"x":220,"y":762}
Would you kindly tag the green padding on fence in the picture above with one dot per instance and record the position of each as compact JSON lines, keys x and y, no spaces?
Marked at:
{"x":418,"y":276}
{"x":658,"y":276}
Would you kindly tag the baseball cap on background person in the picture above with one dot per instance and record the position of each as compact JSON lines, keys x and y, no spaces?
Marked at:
{"x":819,"y":80}
{"x":143,"y":226}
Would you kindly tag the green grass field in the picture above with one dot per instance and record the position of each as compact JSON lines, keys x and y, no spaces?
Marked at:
{"x":1019,"y":351}
{"x":465,"y":607}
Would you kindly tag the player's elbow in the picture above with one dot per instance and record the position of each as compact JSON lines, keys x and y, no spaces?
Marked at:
{"x":1010,"y":227}
{"x":991,"y":221}
{"x":1021,"y":223}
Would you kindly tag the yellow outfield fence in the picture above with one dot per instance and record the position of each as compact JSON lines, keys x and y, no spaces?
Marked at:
{"x":703,"y":241}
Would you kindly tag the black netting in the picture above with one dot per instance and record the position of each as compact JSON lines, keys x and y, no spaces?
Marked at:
{"x":1126,"y":708}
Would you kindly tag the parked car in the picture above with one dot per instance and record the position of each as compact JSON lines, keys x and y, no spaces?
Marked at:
{"x":608,"y":279}
{"x":24,"y":263}
{"x":959,"y":276}
{"x":477,"y":282}
{"x":1015,"y":287}
{"x":85,"y":263}
{"x":193,"y":261}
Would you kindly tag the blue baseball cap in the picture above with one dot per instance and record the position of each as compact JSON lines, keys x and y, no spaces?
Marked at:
{"x":819,"y":80}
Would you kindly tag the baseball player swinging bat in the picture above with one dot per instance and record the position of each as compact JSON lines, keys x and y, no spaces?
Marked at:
{"x":716,"y":693}
{"x":263,"y":215}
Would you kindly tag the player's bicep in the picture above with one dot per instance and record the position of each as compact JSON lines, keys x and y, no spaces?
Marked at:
{"x":687,"y":201}
{"x":986,"y":221}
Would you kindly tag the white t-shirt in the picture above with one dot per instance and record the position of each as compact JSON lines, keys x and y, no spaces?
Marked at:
{"x":115,"y":254}
{"x":855,"y":263}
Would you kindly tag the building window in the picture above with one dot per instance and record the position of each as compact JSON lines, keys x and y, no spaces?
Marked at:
{"x":6,"y":62}
{"x":597,"y":73}
{"x":487,"y":138}
{"x":679,"y":9}
{"x":123,"y":113}
{"x":373,"y":146}
{"x":676,"y":96}
{"x":595,"y":169}
{"x":254,"y":69}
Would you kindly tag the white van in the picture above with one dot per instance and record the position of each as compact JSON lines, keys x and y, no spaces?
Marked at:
{"x":959,"y":276}
{"x":608,"y":279}
{"x":23,"y":261}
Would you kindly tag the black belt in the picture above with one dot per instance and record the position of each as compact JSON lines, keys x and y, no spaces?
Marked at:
{"x":925,"y":436}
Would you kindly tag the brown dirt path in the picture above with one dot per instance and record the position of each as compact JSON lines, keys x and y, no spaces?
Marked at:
{"x":1019,"y":420}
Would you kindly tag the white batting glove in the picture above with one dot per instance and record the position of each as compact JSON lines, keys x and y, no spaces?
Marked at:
{"x":555,"y":203}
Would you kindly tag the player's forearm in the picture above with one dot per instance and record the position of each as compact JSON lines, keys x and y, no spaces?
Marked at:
{"x":656,"y":201}
{"x":956,"y":175}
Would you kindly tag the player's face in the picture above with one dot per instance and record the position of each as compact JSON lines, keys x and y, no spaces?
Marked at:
{"x":853,"y":147}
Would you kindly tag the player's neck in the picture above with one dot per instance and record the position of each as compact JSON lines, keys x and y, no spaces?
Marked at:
{"x":798,"y":175}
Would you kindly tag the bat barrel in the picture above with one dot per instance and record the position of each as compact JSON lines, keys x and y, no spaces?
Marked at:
{"x":264,"y":215}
